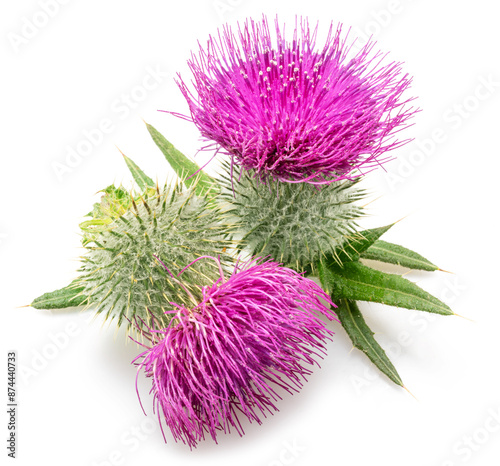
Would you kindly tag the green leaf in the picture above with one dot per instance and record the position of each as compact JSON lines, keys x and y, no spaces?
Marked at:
{"x":351,"y":250}
{"x":394,"y":254}
{"x":142,"y":180}
{"x":362,"y":338}
{"x":68,"y":296}
{"x":359,"y":282}
{"x":183,"y":166}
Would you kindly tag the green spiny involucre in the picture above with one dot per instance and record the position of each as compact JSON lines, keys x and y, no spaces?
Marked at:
{"x":294,"y":223}
{"x":120,"y":272}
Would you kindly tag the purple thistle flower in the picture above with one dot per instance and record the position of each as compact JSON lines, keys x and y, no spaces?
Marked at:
{"x":225,"y":357}
{"x":294,"y":113}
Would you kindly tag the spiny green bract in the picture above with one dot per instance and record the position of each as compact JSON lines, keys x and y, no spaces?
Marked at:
{"x":294,"y":223}
{"x":120,"y":272}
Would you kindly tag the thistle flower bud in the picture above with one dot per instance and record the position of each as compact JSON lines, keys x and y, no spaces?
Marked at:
{"x":120,"y":272}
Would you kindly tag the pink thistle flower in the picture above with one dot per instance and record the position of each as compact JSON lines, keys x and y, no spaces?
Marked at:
{"x":288,"y":111}
{"x":225,"y":357}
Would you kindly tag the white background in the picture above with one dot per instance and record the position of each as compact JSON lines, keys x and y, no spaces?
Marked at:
{"x":77,"y":401}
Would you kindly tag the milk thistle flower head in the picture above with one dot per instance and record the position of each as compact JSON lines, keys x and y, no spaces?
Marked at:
{"x":291,"y":111}
{"x":226,"y":356}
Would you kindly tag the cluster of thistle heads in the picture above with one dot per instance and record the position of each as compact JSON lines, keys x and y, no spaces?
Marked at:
{"x":214,"y":274}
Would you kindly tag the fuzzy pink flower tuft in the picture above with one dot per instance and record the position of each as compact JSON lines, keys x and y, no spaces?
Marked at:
{"x":288,"y":111}
{"x":225,"y":357}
